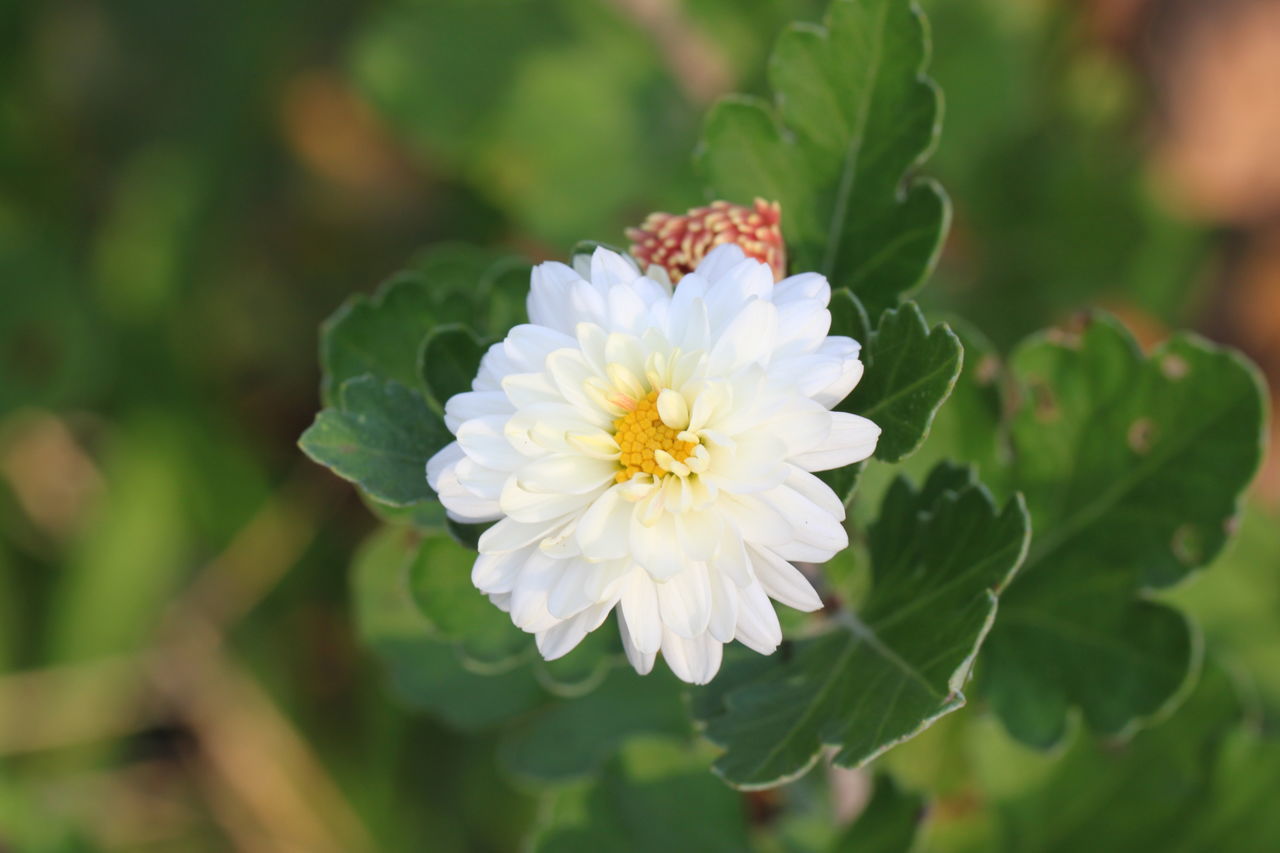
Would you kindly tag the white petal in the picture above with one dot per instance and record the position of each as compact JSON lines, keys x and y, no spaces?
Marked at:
{"x":510,"y":535}
{"x":656,"y":547}
{"x":802,"y":326}
{"x":559,"y":640}
{"x":525,"y":389}
{"x":731,"y":559}
{"x":747,"y":339}
{"x":569,"y":371}
{"x":754,"y":520}
{"x":693,"y":660}
{"x":475,"y":404}
{"x":479,"y":480}
{"x":753,"y":464}
{"x":802,"y":425}
{"x":529,"y":596}
{"x":564,"y":473}
{"x":729,"y":291}
{"x":625,"y":308}
{"x":816,"y":491}
{"x":461,"y":503}
{"x":528,"y":345}
{"x":483,"y":440}
{"x":642,"y":662}
{"x":852,"y":439}
{"x":810,"y":524}
{"x":684,"y":601}
{"x":724,"y":607}
{"x":758,"y":627}
{"x":845,"y":351}
{"x":687,"y":321}
{"x":497,"y":573}
{"x":610,"y":268}
{"x":605,"y":528}
{"x":523,"y":505}
{"x":495,"y":365}
{"x":572,"y":591}
{"x":673,"y":409}
{"x":548,"y":302}
{"x":718,"y":262}
{"x":699,"y":531}
{"x":807,"y":285}
{"x":639,"y":605}
{"x":444,"y":458}
{"x":783,"y":581}
{"x":586,"y":304}
{"x":541,"y":426}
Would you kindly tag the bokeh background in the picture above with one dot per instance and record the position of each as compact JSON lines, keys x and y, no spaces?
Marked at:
{"x":188,"y":189}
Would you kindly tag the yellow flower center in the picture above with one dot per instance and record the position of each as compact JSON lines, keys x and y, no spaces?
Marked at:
{"x":641,"y":434}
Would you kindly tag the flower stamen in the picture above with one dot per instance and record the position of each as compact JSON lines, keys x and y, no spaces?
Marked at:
{"x":649,"y":446}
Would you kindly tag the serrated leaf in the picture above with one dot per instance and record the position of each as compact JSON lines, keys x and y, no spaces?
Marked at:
{"x":1133,"y":469}
{"x":653,"y":796}
{"x":380,"y":439}
{"x":440,"y":583}
{"x":853,"y":116}
{"x":449,"y":361}
{"x":377,"y":336}
{"x":571,"y":739}
{"x":382,"y":335}
{"x":910,"y":371}
{"x":940,"y":555}
{"x":888,"y":824}
{"x":425,"y":672}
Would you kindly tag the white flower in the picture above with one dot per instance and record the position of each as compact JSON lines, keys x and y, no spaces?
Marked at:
{"x":651,"y":450}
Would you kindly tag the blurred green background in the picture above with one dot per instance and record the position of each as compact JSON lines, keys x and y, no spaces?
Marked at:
{"x":188,"y":189}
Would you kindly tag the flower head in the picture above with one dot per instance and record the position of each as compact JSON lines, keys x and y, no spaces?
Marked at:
{"x":678,"y":244}
{"x":652,"y":451}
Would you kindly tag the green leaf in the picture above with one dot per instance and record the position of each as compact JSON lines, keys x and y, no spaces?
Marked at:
{"x":1133,"y":470}
{"x":887,"y":825}
{"x":377,"y":336}
{"x":910,"y":371}
{"x":652,"y":796}
{"x":571,"y":739}
{"x":380,"y":439}
{"x":440,"y":582}
{"x":853,"y":116}
{"x":425,"y":673}
{"x":1196,"y":781}
{"x":969,"y":426}
{"x":383,"y":334}
{"x":939,"y":557}
{"x":449,"y":361}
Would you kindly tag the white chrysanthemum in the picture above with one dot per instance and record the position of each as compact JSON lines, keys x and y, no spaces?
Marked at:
{"x":651,"y":450}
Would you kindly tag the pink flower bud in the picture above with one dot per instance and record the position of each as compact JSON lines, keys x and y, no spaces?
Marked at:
{"x":679,"y":243}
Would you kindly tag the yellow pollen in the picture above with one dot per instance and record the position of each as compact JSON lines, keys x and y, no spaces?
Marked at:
{"x":640,"y":433}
